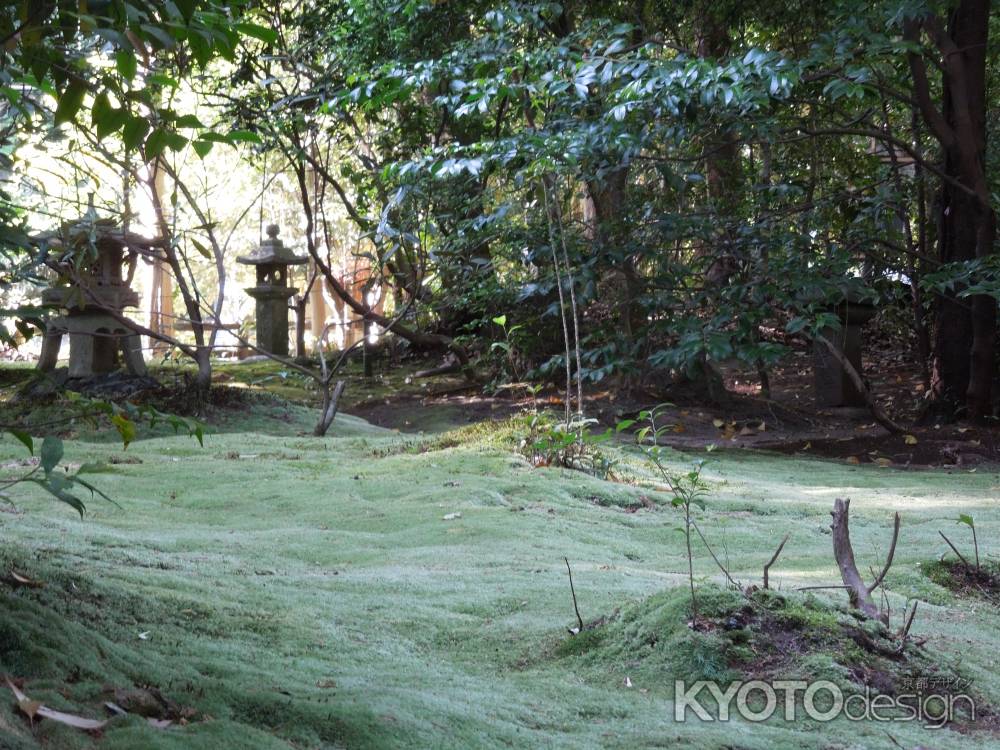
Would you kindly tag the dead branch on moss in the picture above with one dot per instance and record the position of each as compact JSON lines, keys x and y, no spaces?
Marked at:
{"x":579,"y":620}
{"x":888,"y":559}
{"x":858,"y":592}
{"x":773,"y":559}
{"x":904,"y":634}
{"x":712,"y":553}
{"x":955,"y":550}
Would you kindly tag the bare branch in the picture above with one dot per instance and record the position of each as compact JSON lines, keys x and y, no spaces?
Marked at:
{"x":774,"y":558}
{"x":888,"y":560}
{"x":955,"y":550}
{"x":572,"y":591}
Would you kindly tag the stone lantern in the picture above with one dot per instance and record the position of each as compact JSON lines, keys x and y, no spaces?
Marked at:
{"x":92,"y":303}
{"x":272,"y":291}
{"x":833,"y":388}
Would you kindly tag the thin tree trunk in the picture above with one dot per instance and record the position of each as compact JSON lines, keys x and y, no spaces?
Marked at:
{"x":331,"y":403}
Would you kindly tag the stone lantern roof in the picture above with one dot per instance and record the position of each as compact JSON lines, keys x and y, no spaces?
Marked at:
{"x":272,"y":252}
{"x":102,"y":280}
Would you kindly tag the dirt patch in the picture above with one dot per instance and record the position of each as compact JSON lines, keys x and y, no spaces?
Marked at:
{"x":966,"y":580}
{"x":953,"y":446}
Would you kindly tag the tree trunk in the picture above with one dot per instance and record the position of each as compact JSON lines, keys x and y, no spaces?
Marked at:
{"x":203,"y":379}
{"x":963,"y":359}
{"x":331,"y":402}
{"x":843,"y":553}
{"x":300,"y":326}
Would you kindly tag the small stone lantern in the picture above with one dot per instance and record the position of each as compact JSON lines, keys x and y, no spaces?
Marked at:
{"x":272,"y":291}
{"x":833,"y":388}
{"x":92,"y":303}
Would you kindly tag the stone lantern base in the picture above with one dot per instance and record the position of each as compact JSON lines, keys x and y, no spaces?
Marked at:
{"x":833,"y":388}
{"x":272,"y":317}
{"x":95,"y":339}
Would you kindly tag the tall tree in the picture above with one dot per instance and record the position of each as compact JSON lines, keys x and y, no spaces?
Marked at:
{"x":963,"y":359}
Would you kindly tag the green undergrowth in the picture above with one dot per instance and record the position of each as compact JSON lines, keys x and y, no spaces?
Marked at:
{"x":374,"y":590}
{"x":500,"y":435}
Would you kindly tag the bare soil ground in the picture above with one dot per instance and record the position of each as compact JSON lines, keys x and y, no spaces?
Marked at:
{"x":788,"y":422}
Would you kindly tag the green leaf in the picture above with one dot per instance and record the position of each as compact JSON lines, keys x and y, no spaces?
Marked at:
{"x":25,"y":439}
{"x":51,"y":453}
{"x":796,"y":324}
{"x":161,"y":36}
{"x":106,"y":118}
{"x":967,"y":520}
{"x":202,"y":250}
{"x":59,"y":488}
{"x":188,"y":121}
{"x":126,"y":64}
{"x":266,"y":35}
{"x":162,"y":79}
{"x":202,"y":147}
{"x":199,"y":434}
{"x":125,"y":427}
{"x":160,"y":140}
{"x":134,"y":132}
{"x":70,"y":101}
{"x":624,"y":425}
{"x":243,"y":136}
{"x":500,"y":320}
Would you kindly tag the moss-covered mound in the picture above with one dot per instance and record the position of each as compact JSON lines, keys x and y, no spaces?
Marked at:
{"x":768,"y":635}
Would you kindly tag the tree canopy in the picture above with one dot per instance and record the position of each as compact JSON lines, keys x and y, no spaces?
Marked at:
{"x":682,"y":184}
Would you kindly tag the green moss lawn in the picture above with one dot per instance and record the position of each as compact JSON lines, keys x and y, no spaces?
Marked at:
{"x":308,"y":593}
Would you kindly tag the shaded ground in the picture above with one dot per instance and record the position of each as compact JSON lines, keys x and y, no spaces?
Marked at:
{"x":788,"y":422}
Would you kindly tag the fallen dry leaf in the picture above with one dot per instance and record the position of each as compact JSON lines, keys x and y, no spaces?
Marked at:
{"x":910,"y":439}
{"x":34,"y":708}
{"x":22,"y":580}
